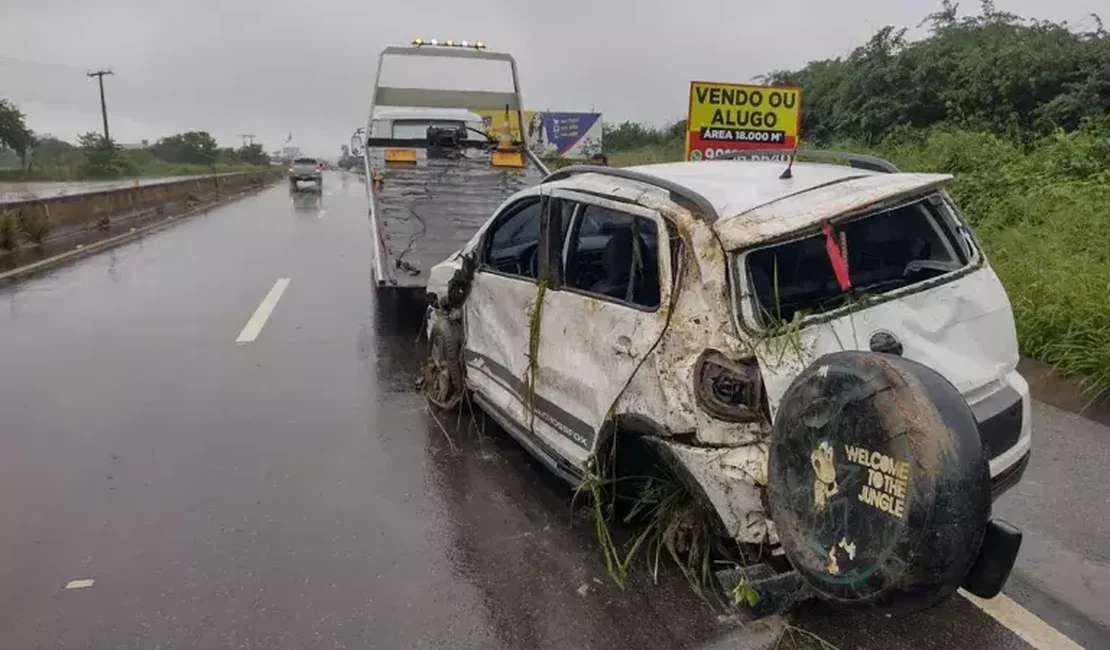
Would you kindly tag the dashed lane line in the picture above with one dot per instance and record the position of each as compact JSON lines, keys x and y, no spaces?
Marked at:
{"x":1025,"y":624}
{"x":83,"y":583}
{"x":262,"y":314}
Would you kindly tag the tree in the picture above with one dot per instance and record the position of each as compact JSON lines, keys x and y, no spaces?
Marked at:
{"x":14,"y":133}
{"x":103,"y":159}
{"x":995,"y":72}
{"x":253,"y":154}
{"x":196,"y":147}
{"x":52,"y":152}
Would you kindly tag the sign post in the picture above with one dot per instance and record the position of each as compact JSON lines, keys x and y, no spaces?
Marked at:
{"x":732,"y":117}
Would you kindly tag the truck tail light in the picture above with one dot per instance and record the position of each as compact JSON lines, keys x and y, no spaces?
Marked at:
{"x":729,"y":390}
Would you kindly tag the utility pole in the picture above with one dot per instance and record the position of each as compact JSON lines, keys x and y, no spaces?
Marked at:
{"x":99,"y":74}
{"x":247,"y":137}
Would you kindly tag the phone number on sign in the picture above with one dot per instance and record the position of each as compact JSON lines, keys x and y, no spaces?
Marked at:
{"x":710,"y":154}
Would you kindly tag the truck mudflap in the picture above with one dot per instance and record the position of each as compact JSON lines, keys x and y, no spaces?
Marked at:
{"x":880,"y":489}
{"x":428,"y":210}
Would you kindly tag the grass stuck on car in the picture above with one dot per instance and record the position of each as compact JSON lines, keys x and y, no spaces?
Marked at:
{"x":818,"y":352}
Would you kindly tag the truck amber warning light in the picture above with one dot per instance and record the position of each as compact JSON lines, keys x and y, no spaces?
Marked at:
{"x":420,"y":42}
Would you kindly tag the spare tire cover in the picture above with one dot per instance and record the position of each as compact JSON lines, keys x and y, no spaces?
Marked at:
{"x":879,"y":485}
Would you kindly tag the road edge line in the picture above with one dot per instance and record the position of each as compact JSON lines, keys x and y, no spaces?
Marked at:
{"x":1029,"y":627}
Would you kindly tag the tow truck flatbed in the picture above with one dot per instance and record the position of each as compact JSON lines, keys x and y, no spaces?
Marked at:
{"x":429,"y":210}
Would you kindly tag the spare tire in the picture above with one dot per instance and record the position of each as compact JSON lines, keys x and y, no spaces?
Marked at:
{"x":878,"y":483}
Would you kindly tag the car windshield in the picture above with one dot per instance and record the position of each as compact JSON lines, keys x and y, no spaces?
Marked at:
{"x":877,"y":253}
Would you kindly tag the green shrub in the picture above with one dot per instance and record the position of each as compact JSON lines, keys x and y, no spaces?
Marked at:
{"x":35,"y":227}
{"x":9,"y":231}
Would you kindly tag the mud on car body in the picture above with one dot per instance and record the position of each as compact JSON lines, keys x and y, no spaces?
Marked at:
{"x":694,"y":304}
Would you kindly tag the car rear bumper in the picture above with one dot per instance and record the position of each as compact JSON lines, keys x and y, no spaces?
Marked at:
{"x":1005,"y":426}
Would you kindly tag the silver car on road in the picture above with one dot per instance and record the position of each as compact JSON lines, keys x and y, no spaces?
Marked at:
{"x":306,"y":169}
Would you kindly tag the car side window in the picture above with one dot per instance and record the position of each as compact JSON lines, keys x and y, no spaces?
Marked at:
{"x":514,"y":240}
{"x":615,"y":255}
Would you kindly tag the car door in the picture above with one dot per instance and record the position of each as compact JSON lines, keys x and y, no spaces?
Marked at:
{"x":496,"y":310}
{"x":605,"y":312}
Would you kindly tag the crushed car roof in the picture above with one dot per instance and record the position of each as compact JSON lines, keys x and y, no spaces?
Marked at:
{"x":751,"y":201}
{"x":733,"y":187}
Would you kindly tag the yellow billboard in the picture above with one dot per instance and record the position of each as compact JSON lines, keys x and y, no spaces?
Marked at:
{"x":728,"y":117}
{"x":495,"y":121}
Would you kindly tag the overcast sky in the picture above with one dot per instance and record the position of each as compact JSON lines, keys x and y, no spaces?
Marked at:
{"x":270,"y":67}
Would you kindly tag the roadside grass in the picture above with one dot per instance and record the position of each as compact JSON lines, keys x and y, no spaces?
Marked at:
{"x":9,"y":231}
{"x":1043,"y":216}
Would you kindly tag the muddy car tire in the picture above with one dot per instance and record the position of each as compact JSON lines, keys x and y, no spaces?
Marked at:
{"x":879,"y":485}
{"x":442,"y":378}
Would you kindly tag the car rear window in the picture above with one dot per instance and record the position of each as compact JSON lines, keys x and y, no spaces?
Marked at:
{"x":881,"y":252}
{"x":304,"y":161}
{"x":418,"y":129}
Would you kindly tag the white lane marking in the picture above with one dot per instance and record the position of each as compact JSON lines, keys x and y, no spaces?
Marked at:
{"x":320,"y":213}
{"x":1027,"y":625}
{"x":262,"y":314}
{"x":84,"y":583}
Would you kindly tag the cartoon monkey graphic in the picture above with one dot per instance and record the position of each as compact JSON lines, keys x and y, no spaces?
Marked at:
{"x":825,"y":470}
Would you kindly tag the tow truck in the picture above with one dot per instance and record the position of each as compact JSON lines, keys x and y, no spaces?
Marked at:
{"x":433,"y":172}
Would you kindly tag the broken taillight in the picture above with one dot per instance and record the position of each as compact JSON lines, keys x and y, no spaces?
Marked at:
{"x":729,"y":390}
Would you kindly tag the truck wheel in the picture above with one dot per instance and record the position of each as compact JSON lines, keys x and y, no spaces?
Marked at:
{"x":879,"y":485}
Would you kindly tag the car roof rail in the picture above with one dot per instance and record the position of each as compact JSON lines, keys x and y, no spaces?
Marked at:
{"x":684,"y":196}
{"x":857,"y":160}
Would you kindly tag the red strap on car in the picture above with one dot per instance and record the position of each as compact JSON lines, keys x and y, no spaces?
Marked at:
{"x":839,"y":264}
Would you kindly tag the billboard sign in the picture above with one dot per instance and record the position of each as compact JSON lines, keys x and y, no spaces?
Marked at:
{"x":550,"y":133}
{"x":726,"y":117}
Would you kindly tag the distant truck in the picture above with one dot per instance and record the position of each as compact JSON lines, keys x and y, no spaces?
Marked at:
{"x":433,"y":173}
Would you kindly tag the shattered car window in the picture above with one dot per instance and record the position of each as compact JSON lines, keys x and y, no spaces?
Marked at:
{"x":615,"y":254}
{"x":514,"y":240}
{"x":876,"y":254}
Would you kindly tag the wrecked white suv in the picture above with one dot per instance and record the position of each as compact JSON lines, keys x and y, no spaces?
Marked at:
{"x":686,"y":304}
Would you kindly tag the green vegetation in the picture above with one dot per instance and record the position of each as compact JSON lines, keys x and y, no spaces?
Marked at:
{"x":1019,"y":111}
{"x":14,"y":134}
{"x":33,"y":157}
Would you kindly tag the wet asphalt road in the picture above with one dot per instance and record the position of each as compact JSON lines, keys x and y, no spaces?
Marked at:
{"x":293,"y":492}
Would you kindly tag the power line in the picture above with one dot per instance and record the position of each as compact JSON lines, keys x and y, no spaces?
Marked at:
{"x":99,"y":74}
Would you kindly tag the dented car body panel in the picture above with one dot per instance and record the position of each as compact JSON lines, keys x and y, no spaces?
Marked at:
{"x":602,"y":364}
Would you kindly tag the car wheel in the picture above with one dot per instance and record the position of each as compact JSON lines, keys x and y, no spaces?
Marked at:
{"x":442,"y":377}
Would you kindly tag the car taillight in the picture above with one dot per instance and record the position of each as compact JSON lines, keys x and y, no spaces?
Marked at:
{"x":318,"y":167}
{"x":729,"y":390}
